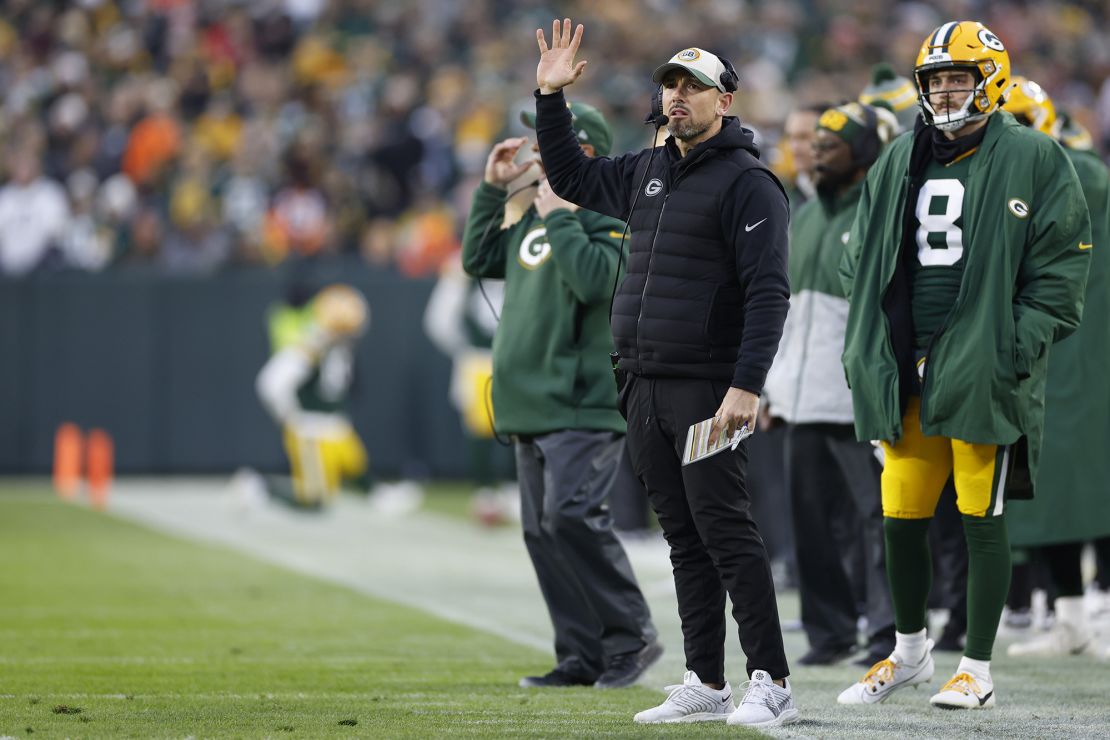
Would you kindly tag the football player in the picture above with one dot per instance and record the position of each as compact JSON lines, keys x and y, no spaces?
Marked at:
{"x":967,"y":260}
{"x":304,"y":387}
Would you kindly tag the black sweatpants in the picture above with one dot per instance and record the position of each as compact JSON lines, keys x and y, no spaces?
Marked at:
{"x":705,"y":514}
{"x":837,"y":508}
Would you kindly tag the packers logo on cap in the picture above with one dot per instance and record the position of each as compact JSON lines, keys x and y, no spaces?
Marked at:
{"x":688,"y":55}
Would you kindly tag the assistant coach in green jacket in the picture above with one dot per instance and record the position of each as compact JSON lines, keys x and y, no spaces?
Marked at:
{"x":553,"y":392}
{"x":834,"y":478}
{"x":967,"y":259}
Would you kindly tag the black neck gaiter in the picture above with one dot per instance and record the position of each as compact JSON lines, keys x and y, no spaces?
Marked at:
{"x":945,"y":150}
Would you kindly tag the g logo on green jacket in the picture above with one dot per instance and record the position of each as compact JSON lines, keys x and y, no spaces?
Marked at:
{"x":534,"y":249}
{"x":1018,"y":207}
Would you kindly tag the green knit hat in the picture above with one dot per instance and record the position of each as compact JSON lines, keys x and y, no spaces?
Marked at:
{"x":587,"y":122}
{"x":898,"y":94}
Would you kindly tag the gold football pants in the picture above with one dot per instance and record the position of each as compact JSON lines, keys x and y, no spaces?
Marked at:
{"x":917,"y":467}
{"x":320,"y":462}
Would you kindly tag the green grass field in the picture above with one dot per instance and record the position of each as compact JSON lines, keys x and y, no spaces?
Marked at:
{"x":111,"y":629}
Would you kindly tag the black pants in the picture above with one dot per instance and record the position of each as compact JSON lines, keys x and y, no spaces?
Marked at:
{"x":705,"y":514}
{"x":837,"y":508}
{"x":628,"y":501}
{"x":595,"y":604}
{"x":767,"y":481}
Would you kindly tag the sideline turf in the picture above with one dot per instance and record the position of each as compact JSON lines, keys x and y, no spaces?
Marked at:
{"x":110,"y":630}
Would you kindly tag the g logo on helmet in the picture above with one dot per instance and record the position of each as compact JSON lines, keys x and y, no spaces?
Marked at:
{"x":1018,"y":207}
{"x":535,"y":249}
{"x":990,"y":41}
{"x":688,"y":55}
{"x":653,"y":187}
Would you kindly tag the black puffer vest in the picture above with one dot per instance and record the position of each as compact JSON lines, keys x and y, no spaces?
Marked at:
{"x":680,"y":310}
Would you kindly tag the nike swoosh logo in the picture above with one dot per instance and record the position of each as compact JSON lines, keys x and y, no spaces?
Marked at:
{"x":749,"y":227}
{"x":1085,"y":246}
{"x":984,"y":699}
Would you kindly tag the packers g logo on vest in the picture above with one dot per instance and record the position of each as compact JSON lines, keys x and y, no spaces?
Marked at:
{"x":1018,"y":207}
{"x":654,"y":186}
{"x":535,"y":249}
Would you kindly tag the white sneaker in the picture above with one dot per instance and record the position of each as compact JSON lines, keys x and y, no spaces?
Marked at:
{"x":691,"y":701}
{"x":396,"y":499}
{"x":1062,"y":639}
{"x":886,"y":677}
{"x":964,"y":691}
{"x":765,"y":704}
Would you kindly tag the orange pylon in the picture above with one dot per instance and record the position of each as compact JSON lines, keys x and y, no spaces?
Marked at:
{"x":101,"y":465}
{"x":68,"y":442}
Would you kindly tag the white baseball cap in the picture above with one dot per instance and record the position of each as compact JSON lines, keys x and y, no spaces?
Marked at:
{"x":703,"y":65}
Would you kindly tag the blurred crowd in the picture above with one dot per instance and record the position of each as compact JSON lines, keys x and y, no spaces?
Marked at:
{"x":194,"y":134}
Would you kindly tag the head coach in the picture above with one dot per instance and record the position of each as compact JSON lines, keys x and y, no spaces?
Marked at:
{"x":696,"y":323}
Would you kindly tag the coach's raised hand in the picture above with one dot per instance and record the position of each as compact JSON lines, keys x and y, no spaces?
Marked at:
{"x":557,"y":68}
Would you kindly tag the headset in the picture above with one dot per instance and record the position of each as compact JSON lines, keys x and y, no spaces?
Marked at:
{"x":729,"y":80}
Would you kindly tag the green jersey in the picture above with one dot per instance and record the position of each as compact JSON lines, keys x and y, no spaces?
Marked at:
{"x":326,"y":387}
{"x":939,"y":242}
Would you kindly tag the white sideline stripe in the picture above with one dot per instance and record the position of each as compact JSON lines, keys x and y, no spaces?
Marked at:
{"x":1000,"y":496}
{"x":453,"y":570}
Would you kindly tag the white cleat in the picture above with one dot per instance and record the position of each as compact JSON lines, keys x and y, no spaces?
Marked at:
{"x":248,"y":490}
{"x":765,"y":704}
{"x":690,"y":701}
{"x":963,"y":691}
{"x":886,"y":677}
{"x":1062,"y":639}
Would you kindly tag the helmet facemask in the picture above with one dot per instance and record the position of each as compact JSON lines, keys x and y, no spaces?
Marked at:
{"x":976,"y":105}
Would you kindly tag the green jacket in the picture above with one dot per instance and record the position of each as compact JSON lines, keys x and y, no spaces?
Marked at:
{"x":1073,"y":502}
{"x":1028,"y":238}
{"x":806,"y":383}
{"x":551,"y":367}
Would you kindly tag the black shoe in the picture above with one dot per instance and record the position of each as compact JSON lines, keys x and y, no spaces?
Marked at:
{"x":626,"y":668}
{"x":827,"y":656}
{"x":951,"y":641}
{"x":557,"y":678}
